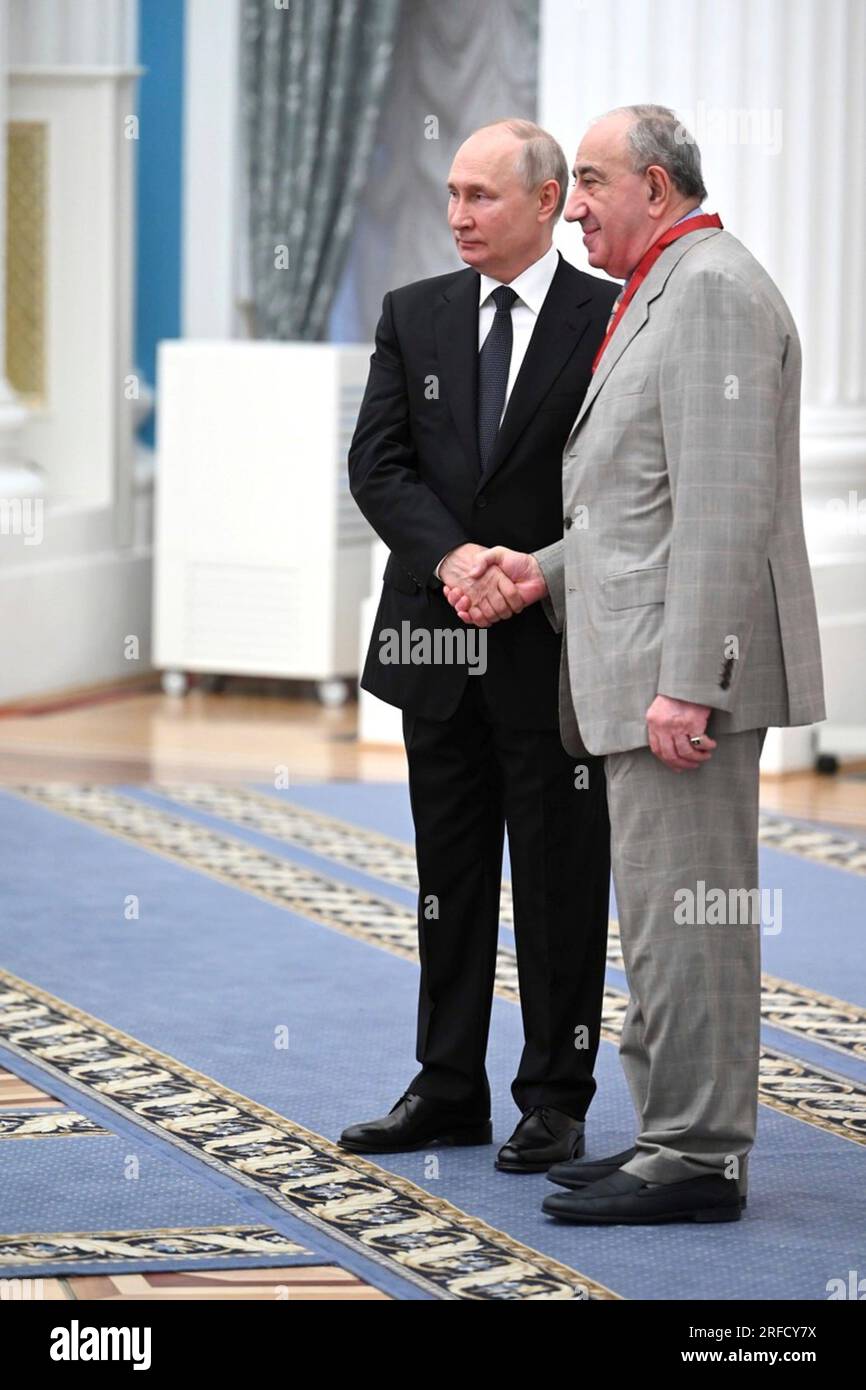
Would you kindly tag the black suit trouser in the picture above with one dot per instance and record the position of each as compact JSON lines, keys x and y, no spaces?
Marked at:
{"x":470,"y":777}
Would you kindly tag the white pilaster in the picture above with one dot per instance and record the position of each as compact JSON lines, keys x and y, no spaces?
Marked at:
{"x":16,"y":479}
{"x":212,"y":187}
{"x":73,"y":33}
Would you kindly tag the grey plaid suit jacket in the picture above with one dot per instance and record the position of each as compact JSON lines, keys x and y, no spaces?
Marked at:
{"x":683,"y":569}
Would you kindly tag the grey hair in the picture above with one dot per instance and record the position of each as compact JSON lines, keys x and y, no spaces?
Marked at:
{"x":540,"y":159}
{"x":657,"y":136}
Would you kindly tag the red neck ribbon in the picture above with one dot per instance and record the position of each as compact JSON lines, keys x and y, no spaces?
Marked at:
{"x":645,"y":264}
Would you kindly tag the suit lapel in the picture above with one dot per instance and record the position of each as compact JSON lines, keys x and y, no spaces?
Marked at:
{"x":456,"y":329}
{"x":636,"y":316}
{"x":560,"y":325}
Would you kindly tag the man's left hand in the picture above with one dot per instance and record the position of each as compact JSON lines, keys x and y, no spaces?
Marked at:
{"x":671,"y":723}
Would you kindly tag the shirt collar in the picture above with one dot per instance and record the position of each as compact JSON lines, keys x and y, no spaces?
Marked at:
{"x":695,"y":212}
{"x":531,"y":285}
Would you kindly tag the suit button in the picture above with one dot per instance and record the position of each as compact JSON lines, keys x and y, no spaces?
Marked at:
{"x":481,"y":501}
{"x":566,"y":521}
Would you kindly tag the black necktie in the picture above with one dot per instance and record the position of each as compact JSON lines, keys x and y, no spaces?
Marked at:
{"x":493,"y":363}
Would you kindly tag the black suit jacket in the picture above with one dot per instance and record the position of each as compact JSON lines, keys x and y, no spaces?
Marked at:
{"x":414,"y":471}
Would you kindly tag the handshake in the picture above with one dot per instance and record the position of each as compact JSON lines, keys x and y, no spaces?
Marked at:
{"x":484,"y":586}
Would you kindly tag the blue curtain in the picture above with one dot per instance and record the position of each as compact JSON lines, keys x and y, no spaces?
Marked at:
{"x":314,"y":76}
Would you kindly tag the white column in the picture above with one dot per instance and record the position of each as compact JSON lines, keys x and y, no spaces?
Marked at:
{"x":773,"y":92}
{"x":77,"y":33}
{"x":214,"y":190}
{"x":16,"y":478}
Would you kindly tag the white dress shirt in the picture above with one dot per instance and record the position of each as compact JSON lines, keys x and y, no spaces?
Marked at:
{"x":531,"y":287}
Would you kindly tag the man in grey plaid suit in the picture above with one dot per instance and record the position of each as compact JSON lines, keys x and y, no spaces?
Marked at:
{"x":683,"y":586}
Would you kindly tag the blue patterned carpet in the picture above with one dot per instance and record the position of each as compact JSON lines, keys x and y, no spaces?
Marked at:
{"x":223,"y":978}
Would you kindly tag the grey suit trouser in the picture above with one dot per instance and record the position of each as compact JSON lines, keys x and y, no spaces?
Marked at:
{"x":690,"y":1039}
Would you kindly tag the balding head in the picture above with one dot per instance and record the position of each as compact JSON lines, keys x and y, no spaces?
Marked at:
{"x":506,"y":188}
{"x":637,"y":172}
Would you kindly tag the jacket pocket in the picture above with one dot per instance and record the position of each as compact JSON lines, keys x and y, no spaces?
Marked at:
{"x":612,"y":389}
{"x":398,"y":578}
{"x":635,"y":588}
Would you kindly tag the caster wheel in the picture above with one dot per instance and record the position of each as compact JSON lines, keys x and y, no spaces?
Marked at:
{"x":212,"y":684}
{"x":827,"y":764}
{"x":174,"y":683}
{"x":332,"y":694}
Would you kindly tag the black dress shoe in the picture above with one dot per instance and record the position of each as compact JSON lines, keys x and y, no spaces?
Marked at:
{"x":412,"y":1123}
{"x":579,"y":1175}
{"x":543,"y":1136}
{"x":624,"y":1199}
{"x":576,"y":1175}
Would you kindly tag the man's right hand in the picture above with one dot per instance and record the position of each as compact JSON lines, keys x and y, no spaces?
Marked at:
{"x":486,"y":588}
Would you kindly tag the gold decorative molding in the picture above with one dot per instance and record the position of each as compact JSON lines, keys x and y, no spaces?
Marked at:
{"x":26,"y":232}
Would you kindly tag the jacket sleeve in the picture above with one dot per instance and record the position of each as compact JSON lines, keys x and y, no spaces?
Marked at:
{"x":384,"y":476}
{"x":552,"y":561}
{"x":720,"y":383}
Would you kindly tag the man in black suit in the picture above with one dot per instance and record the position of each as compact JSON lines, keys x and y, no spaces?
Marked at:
{"x":456,"y":449}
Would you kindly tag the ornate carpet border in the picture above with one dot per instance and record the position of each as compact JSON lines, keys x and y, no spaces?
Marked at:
{"x":383,"y":1217}
{"x":819,"y":846}
{"x":98,"y":1249}
{"x":792,"y":1008}
{"x":254,"y":809}
{"x":50,"y":1124}
{"x":805,"y":1092}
